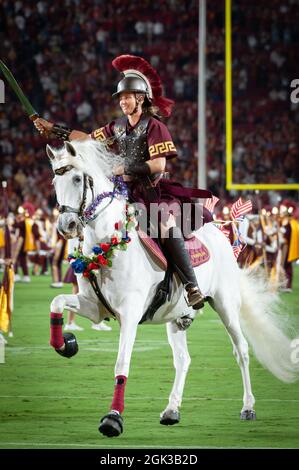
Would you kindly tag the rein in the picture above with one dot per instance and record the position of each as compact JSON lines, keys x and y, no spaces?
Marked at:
{"x":119,"y":189}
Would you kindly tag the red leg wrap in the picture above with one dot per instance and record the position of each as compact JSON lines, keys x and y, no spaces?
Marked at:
{"x":56,"y":322}
{"x":118,"y":403}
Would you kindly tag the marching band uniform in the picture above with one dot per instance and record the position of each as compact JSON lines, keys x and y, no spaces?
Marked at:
{"x":41,"y":240}
{"x":58,"y":243}
{"x":24,"y":243}
{"x":290,"y":252}
{"x":248,"y":254}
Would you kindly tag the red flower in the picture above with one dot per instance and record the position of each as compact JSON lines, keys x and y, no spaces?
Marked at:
{"x":118,"y":225}
{"x":114,"y":241}
{"x":92,"y":266}
{"x":105,"y":246}
{"x":102,"y":260}
{"x":86,"y":274}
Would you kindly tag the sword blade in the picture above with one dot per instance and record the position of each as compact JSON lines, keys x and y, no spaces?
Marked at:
{"x":16,"y":88}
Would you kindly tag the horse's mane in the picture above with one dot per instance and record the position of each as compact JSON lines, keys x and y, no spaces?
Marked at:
{"x":93,"y":156}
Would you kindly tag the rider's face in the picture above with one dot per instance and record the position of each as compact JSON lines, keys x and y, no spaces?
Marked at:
{"x":127,"y":102}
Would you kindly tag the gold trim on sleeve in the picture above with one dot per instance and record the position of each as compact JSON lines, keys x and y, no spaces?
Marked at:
{"x":99,"y":134}
{"x":162,"y":147}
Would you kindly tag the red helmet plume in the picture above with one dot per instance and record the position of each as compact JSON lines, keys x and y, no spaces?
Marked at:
{"x":150,"y":82}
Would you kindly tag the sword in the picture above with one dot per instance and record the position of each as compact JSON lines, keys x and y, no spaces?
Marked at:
{"x":16,"y":88}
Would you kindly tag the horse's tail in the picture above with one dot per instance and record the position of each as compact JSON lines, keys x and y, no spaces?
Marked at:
{"x":267,"y":327}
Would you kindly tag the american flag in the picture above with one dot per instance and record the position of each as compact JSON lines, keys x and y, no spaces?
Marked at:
{"x":237,"y":250}
{"x":224,"y":230}
{"x":211,"y":203}
{"x":240,"y":208}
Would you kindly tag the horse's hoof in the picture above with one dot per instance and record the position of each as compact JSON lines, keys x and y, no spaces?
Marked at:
{"x":71,"y":345}
{"x":169,"y":417}
{"x":184,"y":322}
{"x":248,"y":415}
{"x":111,"y":425}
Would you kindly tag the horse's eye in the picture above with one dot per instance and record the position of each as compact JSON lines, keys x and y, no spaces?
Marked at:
{"x":77,"y":179}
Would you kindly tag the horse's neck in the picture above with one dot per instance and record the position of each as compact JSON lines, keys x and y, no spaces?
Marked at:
{"x":126,"y":264}
{"x":105,"y":223}
{"x":102,"y":228}
{"x":102,"y":184}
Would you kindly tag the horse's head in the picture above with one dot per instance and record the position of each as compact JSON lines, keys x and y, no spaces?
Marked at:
{"x":71,"y":185}
{"x":81,"y":169}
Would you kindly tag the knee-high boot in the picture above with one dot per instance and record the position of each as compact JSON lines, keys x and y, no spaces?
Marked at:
{"x":178,"y":256}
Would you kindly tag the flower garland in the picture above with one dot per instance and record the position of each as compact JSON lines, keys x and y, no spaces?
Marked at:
{"x":103,"y":253}
{"x":120,"y":189}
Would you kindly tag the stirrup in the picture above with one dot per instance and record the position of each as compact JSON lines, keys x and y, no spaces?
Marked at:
{"x":195,"y":298}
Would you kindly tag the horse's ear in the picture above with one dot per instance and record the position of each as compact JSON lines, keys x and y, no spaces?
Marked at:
{"x":50,"y":152}
{"x":70,"y":149}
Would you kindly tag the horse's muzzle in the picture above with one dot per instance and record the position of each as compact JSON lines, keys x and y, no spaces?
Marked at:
{"x":69,"y":226}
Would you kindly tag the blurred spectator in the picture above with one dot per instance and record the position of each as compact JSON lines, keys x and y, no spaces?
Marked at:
{"x":61,"y":54}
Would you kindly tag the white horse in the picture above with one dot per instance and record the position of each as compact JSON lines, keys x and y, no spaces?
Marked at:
{"x":243,"y":302}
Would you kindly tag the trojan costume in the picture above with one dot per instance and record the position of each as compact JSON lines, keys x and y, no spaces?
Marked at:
{"x":147,"y":140}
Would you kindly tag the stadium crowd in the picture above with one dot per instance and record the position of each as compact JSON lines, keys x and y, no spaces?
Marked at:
{"x":61,"y":53}
{"x":265,"y":122}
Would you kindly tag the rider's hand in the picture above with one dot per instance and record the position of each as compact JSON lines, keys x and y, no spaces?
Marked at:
{"x":43,"y":126}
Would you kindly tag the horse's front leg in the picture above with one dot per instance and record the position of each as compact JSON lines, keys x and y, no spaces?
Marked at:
{"x":65,"y":343}
{"x":112,"y":424}
{"x":181,"y":359}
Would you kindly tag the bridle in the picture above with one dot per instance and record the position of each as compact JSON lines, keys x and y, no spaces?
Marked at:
{"x":87,"y":182}
{"x":86,"y":214}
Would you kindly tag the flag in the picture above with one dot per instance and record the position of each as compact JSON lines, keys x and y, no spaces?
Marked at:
{"x":224,"y":230}
{"x":6,"y":291}
{"x":211,"y":203}
{"x":6,"y":299}
{"x":293,"y":253}
{"x":240,"y":208}
{"x":237,"y":250}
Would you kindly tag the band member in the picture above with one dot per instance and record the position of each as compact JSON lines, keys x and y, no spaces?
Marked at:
{"x":24,"y":243}
{"x":58,"y":244}
{"x":290,"y":244}
{"x":40,"y":235}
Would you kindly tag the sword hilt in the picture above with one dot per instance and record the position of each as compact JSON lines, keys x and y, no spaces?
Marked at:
{"x":33,"y":117}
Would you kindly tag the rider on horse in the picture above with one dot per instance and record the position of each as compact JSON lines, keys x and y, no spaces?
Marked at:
{"x":145,"y":143}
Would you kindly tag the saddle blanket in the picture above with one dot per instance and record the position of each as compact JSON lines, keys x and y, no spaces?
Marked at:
{"x":198,"y":252}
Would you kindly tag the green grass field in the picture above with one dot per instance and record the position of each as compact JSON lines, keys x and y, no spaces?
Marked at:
{"x":47,"y":401}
